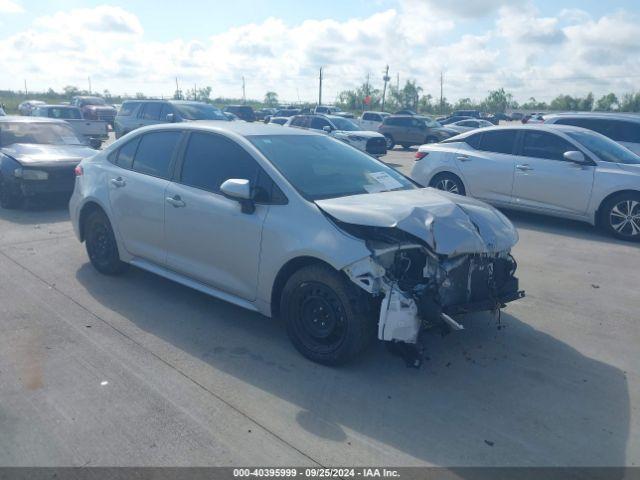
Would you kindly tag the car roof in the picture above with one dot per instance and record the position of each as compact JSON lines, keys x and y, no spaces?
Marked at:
{"x":547,"y":127}
{"x":243,"y":129}
{"x":59,"y":106}
{"x":635,"y":117}
{"x":21,"y":119}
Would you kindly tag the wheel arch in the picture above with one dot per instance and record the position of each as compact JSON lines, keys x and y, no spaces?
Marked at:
{"x":285,"y":272}
{"x":89,"y":207}
{"x":598,"y":212}
{"x":449,"y":172}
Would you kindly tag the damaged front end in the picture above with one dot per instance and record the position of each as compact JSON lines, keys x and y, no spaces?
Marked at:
{"x":420,"y":288}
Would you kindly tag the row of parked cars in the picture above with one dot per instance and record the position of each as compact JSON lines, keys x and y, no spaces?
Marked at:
{"x":295,"y":222}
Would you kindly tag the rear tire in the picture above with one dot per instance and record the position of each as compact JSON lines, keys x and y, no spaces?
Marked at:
{"x":620,"y":216}
{"x":101,"y":244}
{"x":328,"y":319}
{"x":8,"y":199}
{"x":448,"y":182}
{"x":390,"y":141}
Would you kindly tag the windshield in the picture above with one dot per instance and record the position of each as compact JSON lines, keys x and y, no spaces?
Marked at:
{"x":344,"y":124}
{"x":199,"y":111}
{"x":322,"y":167}
{"x":606,"y":149}
{"x":40,"y":133}
{"x":93,"y":101}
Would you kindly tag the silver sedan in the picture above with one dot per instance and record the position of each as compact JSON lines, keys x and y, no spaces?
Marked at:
{"x":551,"y":169}
{"x":297,"y":224}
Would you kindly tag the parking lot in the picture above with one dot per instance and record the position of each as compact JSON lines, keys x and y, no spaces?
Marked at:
{"x":137,"y":370}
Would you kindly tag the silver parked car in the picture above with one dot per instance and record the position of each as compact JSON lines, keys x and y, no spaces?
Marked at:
{"x":551,"y":169}
{"x":623,"y":128}
{"x":297,"y":224}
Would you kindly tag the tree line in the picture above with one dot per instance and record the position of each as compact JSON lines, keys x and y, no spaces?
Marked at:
{"x":412,"y":96}
{"x":365,"y":97}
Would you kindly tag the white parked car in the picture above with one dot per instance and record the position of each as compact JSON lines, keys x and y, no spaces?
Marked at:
{"x":470,"y":124}
{"x":343,"y":129}
{"x":556,"y":170}
{"x":326,"y":110}
{"x":372,"y":120}
{"x":623,"y":128}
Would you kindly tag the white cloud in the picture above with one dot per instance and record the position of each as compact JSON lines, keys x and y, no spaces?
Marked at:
{"x":9,"y":6}
{"x":530,"y":54}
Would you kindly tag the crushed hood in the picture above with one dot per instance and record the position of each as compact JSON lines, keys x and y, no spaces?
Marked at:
{"x":37,"y":154}
{"x":449,"y":224}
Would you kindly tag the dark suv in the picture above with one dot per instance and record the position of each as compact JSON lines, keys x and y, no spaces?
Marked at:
{"x":140,"y":113}
{"x":407,"y":130}
{"x":243,"y":112}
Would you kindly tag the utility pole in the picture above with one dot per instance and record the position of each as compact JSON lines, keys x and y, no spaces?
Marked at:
{"x":177,"y":95}
{"x":386,"y":78}
{"x":244,"y":91}
{"x":320,"y":88}
{"x":441,"y":94}
{"x":26,"y":94}
{"x":398,"y":82}
{"x":89,"y":78}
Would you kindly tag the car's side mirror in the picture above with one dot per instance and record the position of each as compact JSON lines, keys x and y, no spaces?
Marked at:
{"x":327,"y":129}
{"x":239,"y":189}
{"x":170,"y":118}
{"x":576,"y":157}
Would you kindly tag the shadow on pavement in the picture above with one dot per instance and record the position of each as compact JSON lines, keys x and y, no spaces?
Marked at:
{"x":39,"y":210}
{"x":512,"y":395}
{"x":561,"y":226}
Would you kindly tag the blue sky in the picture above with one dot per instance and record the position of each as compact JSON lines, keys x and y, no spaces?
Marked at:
{"x":532,"y":47}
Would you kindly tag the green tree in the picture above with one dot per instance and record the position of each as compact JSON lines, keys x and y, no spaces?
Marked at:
{"x":71,"y":90}
{"x":607,"y":102}
{"x":630,"y":102}
{"x":497,"y":101}
{"x":271,"y":99}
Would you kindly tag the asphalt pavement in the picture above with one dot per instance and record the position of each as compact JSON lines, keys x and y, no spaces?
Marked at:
{"x":137,"y":370}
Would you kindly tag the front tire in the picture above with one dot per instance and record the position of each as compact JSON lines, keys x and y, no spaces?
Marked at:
{"x":448,"y":182}
{"x":620,"y":216}
{"x":101,"y":244}
{"x":328,"y":319}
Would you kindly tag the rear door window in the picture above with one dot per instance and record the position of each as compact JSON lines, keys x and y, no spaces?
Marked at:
{"x":498,"y":141}
{"x":155,"y":152}
{"x":126,"y":153}
{"x":318,"y":123}
{"x":545,"y":145}
{"x":152,"y":111}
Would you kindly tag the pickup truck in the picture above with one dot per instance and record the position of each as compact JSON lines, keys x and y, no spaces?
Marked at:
{"x":93,"y":131}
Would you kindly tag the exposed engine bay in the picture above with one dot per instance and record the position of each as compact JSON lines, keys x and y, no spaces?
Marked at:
{"x":422,"y":289}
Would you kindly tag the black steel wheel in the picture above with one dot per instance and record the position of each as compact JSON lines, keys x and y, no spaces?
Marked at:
{"x":327,"y":318}
{"x":101,"y":244}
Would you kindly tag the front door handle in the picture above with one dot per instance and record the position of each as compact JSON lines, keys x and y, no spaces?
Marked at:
{"x":176,"y":201}
{"x":524,"y":168}
{"x":464,"y":158}
{"x":118,"y":182}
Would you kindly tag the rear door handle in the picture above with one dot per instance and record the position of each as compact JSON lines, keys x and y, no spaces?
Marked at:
{"x":118,"y":182}
{"x":464,"y":158}
{"x":524,"y":168}
{"x":176,"y":201}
